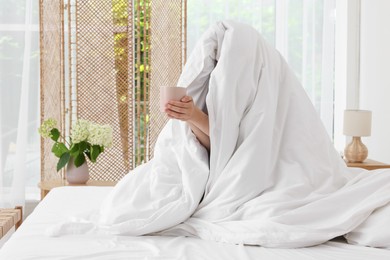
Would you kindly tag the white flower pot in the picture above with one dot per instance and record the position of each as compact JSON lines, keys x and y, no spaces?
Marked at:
{"x":77,"y":175}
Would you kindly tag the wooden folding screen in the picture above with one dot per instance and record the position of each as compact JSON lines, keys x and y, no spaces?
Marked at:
{"x":168,"y":31}
{"x":52,"y":77}
{"x":117,"y":54}
{"x":104,"y":79}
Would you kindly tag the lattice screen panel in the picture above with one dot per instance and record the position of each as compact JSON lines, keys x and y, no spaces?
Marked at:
{"x":52,"y":78}
{"x":167,"y":56}
{"x":116,"y":55}
{"x":104,"y":79}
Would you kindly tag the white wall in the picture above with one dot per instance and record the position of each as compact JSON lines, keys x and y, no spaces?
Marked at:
{"x":375,"y":75}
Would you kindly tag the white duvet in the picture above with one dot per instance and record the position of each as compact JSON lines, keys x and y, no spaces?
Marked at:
{"x":273,"y":177}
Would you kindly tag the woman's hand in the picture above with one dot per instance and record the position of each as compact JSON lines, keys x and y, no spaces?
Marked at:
{"x":198,"y":121}
{"x":184,"y":109}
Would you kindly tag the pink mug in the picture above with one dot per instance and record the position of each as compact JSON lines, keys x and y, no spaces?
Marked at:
{"x":170,"y":93}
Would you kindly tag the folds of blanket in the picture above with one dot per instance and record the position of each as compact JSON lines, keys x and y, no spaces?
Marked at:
{"x":272,"y":178}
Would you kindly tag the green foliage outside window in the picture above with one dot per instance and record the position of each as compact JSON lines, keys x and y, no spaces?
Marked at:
{"x":141,"y":62}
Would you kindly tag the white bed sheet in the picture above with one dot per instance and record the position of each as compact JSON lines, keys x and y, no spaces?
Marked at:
{"x":30,"y":241}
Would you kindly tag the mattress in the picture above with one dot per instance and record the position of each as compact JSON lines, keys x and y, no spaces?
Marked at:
{"x":30,"y":241}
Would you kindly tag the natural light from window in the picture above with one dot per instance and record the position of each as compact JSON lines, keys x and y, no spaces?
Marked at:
{"x":19,"y":105}
{"x":302,"y":31}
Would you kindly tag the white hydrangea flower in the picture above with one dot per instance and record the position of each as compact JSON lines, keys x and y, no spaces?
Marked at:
{"x":80,"y":131}
{"x":46,"y":127}
{"x":100,"y":135}
{"x":107,"y":136}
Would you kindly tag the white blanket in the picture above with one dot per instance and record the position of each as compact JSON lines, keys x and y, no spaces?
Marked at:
{"x":273,"y":177}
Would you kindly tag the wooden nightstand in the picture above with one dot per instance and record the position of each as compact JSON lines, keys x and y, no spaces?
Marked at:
{"x":46,"y":186}
{"x":369,"y":165}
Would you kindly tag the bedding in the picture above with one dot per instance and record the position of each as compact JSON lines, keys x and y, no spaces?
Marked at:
{"x":374,"y":231}
{"x":273,"y":177}
{"x":30,"y":241}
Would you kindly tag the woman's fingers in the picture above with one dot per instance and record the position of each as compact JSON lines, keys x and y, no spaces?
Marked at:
{"x":177,"y":112}
{"x":181,"y":110}
{"x":176,"y":108}
{"x":186,"y":99}
{"x":179,"y":104}
{"x":176,"y":115}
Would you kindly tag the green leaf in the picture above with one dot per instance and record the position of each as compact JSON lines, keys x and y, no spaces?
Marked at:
{"x":79,"y":160}
{"x":74,"y":150}
{"x":83,"y":146}
{"x":55,"y":134}
{"x":59,"y":149}
{"x":63,"y":161}
{"x":95,"y":151}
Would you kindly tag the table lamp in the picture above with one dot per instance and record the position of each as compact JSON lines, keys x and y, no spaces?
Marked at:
{"x":357,"y":123}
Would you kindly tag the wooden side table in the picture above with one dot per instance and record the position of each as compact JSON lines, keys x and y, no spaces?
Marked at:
{"x":10,"y":218}
{"x":46,"y":186}
{"x":369,"y":165}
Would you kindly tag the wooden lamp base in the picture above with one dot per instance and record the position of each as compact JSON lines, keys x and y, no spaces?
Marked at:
{"x":356,"y":151}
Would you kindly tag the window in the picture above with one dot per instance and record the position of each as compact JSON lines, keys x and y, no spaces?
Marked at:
{"x":19,"y":101}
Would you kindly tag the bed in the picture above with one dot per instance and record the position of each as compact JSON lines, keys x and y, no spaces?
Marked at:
{"x":30,"y":241}
{"x":273,"y":177}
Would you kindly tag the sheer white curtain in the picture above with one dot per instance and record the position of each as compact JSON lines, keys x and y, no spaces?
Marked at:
{"x":19,"y":102}
{"x":302,"y":31}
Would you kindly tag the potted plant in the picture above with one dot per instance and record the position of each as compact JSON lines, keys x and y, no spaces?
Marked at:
{"x":87,"y":140}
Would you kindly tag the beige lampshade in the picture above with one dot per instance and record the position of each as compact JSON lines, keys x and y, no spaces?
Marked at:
{"x":357,"y":122}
